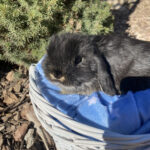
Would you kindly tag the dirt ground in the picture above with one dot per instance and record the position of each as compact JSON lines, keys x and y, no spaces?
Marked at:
{"x":16,"y":131}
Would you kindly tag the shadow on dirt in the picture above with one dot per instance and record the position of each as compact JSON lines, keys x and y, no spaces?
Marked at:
{"x":122,"y":16}
{"x":5,"y":67}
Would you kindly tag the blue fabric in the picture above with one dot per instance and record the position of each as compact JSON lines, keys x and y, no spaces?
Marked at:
{"x":126,"y":114}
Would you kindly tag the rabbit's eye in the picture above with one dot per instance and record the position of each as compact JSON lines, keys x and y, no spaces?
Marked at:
{"x":57,"y":73}
{"x":78,"y":59}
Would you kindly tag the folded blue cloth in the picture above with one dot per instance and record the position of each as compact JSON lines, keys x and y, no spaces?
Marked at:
{"x":126,"y":114}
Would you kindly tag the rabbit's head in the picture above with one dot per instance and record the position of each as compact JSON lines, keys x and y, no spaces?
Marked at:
{"x":72,"y":63}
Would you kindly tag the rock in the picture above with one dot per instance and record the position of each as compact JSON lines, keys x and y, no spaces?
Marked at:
{"x":29,"y":138}
{"x":10,"y":76}
{"x":20,"y":132}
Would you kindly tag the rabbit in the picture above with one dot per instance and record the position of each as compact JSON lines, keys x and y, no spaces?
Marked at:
{"x":83,"y":64}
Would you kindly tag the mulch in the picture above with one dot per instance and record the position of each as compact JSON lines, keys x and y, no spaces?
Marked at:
{"x":17,"y":131}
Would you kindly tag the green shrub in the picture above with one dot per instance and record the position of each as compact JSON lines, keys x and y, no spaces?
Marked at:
{"x":26,"y":25}
{"x":92,"y":17}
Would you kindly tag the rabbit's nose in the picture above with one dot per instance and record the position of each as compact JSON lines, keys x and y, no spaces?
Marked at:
{"x":57,"y":75}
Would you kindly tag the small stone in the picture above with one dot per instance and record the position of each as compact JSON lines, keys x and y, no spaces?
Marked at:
{"x":29,"y":138}
{"x":10,"y":76}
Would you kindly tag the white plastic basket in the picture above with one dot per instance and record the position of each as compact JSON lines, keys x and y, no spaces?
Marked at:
{"x":69,"y":134}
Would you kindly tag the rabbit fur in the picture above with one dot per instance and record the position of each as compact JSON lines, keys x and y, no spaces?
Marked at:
{"x":83,"y":64}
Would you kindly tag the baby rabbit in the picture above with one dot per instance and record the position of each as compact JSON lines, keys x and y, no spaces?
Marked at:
{"x":84,"y":64}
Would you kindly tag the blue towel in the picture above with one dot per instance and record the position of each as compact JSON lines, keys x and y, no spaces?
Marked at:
{"x":126,"y":114}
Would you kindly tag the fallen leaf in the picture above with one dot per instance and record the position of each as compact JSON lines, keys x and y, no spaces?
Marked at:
{"x":4,"y":93}
{"x":1,"y":108}
{"x":17,"y":88}
{"x":6,"y":117}
{"x":28,"y":114}
{"x":5,"y":147}
{"x":10,"y":89}
{"x":71,"y":21}
{"x":2,"y":127}
{"x":1,"y":139}
{"x":17,"y":116}
{"x":13,"y":127}
{"x":10,"y":128}
{"x":20,"y":132}
{"x":3,"y":83}
{"x":78,"y":26}
{"x":10,"y":99}
{"x":10,"y":76}
{"x":29,"y":138}
{"x":14,"y":122}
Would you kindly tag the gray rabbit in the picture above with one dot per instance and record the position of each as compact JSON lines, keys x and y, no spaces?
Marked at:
{"x":84,"y":64}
